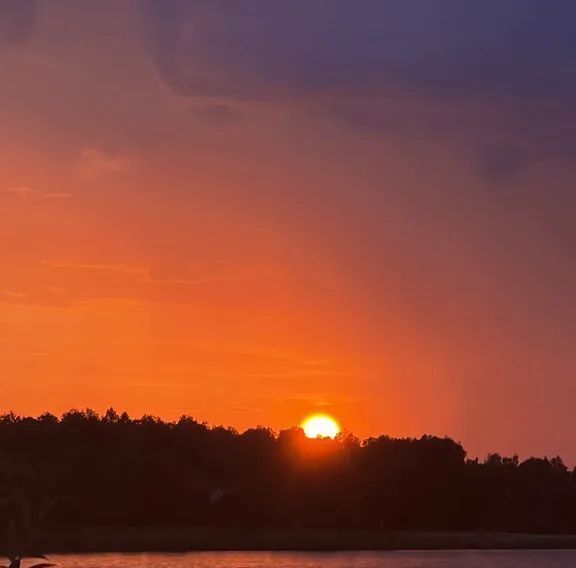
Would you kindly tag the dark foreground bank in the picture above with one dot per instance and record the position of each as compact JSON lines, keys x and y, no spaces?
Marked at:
{"x":196,"y":539}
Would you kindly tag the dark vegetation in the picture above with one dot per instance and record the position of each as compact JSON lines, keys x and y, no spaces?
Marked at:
{"x":114,"y":471}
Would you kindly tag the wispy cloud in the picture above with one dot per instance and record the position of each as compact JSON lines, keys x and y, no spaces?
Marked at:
{"x":15,"y":294}
{"x":95,"y":162}
{"x":177,"y":282}
{"x":26,"y":192}
{"x":144,"y":273}
{"x":55,"y":290}
{"x":317,"y":362}
{"x":121,"y":268}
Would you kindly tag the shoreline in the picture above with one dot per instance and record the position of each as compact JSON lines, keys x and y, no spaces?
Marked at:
{"x":189,"y":539}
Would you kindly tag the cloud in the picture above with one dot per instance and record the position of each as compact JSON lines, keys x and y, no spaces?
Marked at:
{"x":121,"y":268}
{"x":95,"y":304}
{"x":26,"y":192}
{"x":55,"y":290}
{"x":144,"y":272}
{"x":137,"y":274}
{"x":33,"y":296}
{"x":16,"y":20}
{"x":356,"y":61}
{"x":95,"y":163}
{"x":177,"y":282}
{"x":445,"y":47}
{"x":13,"y":294}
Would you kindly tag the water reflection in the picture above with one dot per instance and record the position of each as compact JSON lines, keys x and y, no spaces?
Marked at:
{"x":442,"y":559}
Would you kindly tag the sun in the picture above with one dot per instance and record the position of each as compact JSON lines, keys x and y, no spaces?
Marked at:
{"x":320,"y":426}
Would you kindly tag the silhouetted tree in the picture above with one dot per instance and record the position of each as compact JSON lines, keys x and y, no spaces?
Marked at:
{"x":114,"y":470}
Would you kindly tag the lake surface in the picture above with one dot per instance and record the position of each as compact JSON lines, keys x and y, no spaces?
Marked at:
{"x":419,"y":559}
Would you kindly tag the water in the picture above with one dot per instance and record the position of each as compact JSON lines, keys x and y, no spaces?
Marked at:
{"x":420,"y":559}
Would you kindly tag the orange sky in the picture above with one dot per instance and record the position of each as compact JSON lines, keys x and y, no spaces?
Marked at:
{"x":251,"y":260}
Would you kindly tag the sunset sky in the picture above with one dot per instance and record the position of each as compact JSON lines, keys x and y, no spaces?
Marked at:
{"x":250,"y":211}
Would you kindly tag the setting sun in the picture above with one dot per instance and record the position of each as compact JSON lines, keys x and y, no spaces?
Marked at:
{"x":320,"y":426}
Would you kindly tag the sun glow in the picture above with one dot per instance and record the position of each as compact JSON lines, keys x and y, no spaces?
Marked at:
{"x":320,"y":426}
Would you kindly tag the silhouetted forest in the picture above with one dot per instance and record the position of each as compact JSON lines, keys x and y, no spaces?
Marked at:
{"x":112,"y":470}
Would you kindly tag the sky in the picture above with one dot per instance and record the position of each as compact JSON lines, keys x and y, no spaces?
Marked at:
{"x":251,"y":211}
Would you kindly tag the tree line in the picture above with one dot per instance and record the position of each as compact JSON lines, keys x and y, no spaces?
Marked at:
{"x":112,"y":470}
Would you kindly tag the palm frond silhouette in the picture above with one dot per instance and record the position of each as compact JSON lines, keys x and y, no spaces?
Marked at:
{"x":22,"y":517}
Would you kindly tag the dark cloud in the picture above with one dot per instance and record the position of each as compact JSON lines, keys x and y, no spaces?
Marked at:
{"x":505,"y":67}
{"x":16,"y":20}
{"x":224,"y":47}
